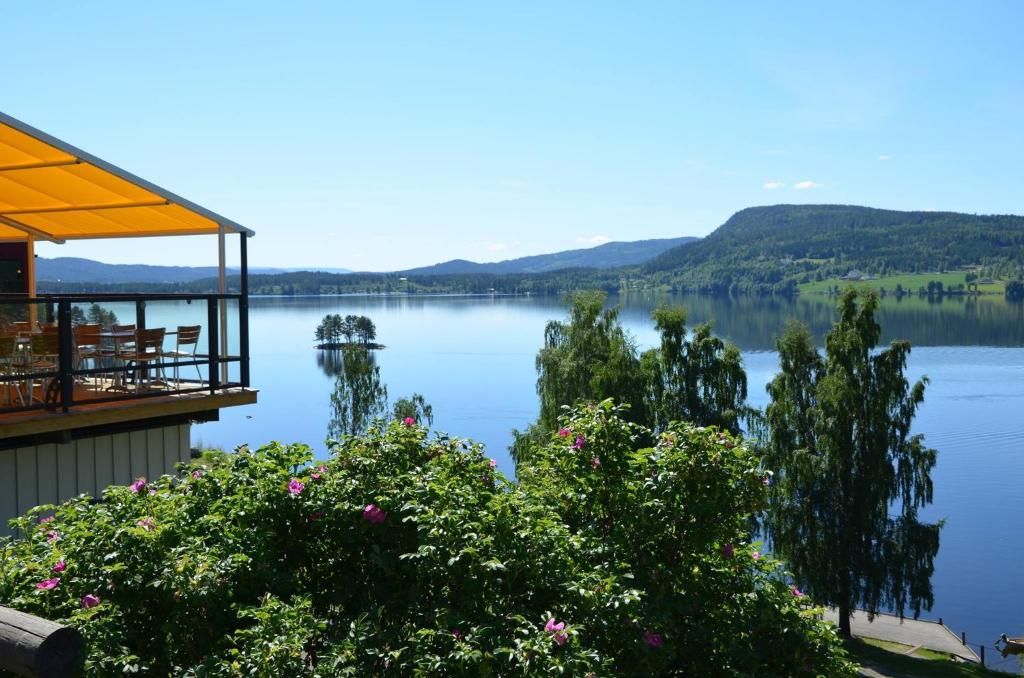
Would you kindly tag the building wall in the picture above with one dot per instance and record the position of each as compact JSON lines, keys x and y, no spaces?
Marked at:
{"x":49,"y":474}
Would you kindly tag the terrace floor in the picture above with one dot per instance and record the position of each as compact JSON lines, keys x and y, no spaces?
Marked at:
{"x":158,"y":402}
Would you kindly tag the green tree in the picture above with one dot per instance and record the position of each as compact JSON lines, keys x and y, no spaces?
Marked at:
{"x":359,"y":396}
{"x":849,"y":476}
{"x":694,"y":377}
{"x":1014,"y":290}
{"x":415,"y":407}
{"x":365,"y":329}
{"x":98,"y":315}
{"x":589,"y":358}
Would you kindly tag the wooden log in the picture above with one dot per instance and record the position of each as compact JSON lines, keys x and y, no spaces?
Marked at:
{"x":32,"y":646}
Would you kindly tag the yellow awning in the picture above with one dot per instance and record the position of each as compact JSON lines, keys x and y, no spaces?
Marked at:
{"x":54,"y":191}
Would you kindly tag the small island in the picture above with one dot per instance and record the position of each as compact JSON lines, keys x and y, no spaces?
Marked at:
{"x":353,"y":331}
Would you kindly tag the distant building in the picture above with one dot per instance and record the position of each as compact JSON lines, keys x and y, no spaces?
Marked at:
{"x":854,"y":275}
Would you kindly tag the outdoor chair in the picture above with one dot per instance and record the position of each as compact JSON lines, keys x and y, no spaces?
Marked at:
{"x":149,"y":348}
{"x":185,"y":346}
{"x":88,"y":346}
{"x":9,"y":357}
{"x":43,"y":352}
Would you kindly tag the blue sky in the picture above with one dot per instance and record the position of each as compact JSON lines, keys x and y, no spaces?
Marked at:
{"x":378,"y":136}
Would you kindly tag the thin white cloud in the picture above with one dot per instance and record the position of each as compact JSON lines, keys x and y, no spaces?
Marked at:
{"x":803,"y":185}
{"x":772,"y":185}
{"x":497,"y":247}
{"x":594,"y":240}
{"x":885,"y":157}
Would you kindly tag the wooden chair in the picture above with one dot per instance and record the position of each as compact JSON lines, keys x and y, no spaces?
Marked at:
{"x":149,"y":348}
{"x":185,"y":346}
{"x":88,"y":346}
{"x":115,"y":351}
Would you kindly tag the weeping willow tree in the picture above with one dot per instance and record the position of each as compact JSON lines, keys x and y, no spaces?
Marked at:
{"x":359,"y":397}
{"x":588,"y":358}
{"x":693,"y":376}
{"x":849,"y":476}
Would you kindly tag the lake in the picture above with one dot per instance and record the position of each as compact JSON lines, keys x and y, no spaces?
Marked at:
{"x":473,"y":360}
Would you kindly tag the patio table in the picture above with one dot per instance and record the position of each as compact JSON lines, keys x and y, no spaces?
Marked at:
{"x":117,"y":337}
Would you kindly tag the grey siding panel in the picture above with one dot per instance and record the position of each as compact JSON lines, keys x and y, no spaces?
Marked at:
{"x":67,"y":471}
{"x":86,"y":471}
{"x":155,"y":466}
{"x":139,"y":459}
{"x":46,"y":459}
{"x":170,"y":447}
{"x":50,"y":474}
{"x":122,"y":459}
{"x":28,"y":489}
{"x":185,"y":443}
{"x":8,"y":488}
{"x":103,"y":449}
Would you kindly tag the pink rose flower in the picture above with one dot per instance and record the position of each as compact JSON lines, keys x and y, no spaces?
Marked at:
{"x":146,"y":523}
{"x":594,"y":463}
{"x":90,"y":601}
{"x":556,"y":629}
{"x":457,"y":634}
{"x":756,"y":555}
{"x":653,"y":639}
{"x":797,"y":592}
{"x":138,"y":485}
{"x":564,"y":432}
{"x":374,"y":514}
{"x":295,"y":487}
{"x":579,"y":443}
{"x":48,"y":584}
{"x":60,"y":566}
{"x":492,"y":464}
{"x":47,"y":519}
{"x":196,"y":474}
{"x":409,"y":421}
{"x":52,"y":536}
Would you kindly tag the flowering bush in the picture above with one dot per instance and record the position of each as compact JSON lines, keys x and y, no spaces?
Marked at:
{"x":404,"y":555}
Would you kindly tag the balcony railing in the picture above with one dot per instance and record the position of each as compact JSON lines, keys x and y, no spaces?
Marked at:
{"x":53,"y":356}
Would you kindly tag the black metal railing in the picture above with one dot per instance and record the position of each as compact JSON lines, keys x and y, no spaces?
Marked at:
{"x":43,"y":373}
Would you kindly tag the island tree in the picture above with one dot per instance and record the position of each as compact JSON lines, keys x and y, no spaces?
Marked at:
{"x":359,"y":396}
{"x":849,"y":478}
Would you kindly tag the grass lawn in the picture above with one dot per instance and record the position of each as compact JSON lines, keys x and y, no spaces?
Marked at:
{"x":911,"y":282}
{"x":888,"y":659}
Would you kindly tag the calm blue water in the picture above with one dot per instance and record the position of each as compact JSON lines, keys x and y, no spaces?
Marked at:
{"x":473,"y":360}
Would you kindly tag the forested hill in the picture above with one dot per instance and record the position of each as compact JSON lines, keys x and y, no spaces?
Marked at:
{"x":608,"y":255}
{"x":764,"y":247}
{"x":78,"y":270}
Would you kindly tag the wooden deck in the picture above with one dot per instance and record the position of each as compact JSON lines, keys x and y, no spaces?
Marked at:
{"x":85,"y":414}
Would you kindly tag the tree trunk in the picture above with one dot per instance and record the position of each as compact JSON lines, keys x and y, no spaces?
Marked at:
{"x":844,"y":622}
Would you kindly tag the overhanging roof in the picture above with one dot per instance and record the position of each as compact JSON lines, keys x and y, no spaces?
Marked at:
{"x":53,"y":191}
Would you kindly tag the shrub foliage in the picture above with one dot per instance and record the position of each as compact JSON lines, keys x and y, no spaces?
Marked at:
{"x":410,"y":555}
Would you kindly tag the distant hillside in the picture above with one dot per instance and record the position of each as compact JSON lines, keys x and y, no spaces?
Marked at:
{"x":609,"y":255}
{"x":78,"y":270}
{"x":761,"y":248}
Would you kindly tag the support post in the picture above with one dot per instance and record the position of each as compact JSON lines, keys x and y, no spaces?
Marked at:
{"x":222,"y":285}
{"x":963,"y":637}
{"x":65,"y":354}
{"x":213,"y":343}
{"x":243,"y":311}
{"x":982,"y":654}
{"x":30,"y":277}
